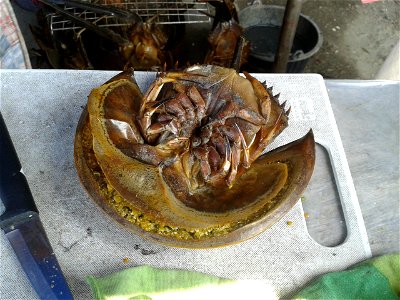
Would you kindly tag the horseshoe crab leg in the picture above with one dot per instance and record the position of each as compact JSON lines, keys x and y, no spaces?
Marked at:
{"x":149,"y":103}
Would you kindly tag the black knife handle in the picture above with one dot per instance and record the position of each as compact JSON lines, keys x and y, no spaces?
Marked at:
{"x":14,"y":190}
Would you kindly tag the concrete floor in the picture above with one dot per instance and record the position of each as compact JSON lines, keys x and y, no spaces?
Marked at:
{"x":356,"y":37}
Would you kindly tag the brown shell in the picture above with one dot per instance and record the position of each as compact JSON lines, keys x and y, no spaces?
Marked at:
{"x":162,"y":213}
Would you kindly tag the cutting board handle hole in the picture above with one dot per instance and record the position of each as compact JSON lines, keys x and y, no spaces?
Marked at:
{"x":321,"y":203}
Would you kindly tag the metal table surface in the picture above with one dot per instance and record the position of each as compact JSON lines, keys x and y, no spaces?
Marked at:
{"x":367,"y":115}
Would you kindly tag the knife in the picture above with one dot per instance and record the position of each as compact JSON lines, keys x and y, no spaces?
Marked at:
{"x":23,"y":228}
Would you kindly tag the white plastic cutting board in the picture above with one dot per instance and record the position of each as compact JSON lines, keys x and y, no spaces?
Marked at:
{"x":41,"y":109}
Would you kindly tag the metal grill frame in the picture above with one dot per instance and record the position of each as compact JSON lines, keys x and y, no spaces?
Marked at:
{"x":163,"y":12}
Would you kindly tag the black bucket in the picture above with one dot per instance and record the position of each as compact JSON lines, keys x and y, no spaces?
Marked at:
{"x":262,"y":25}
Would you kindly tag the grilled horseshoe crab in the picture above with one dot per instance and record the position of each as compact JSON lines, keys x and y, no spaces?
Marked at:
{"x":224,"y":40}
{"x":182,"y":164}
{"x":146,"y":50}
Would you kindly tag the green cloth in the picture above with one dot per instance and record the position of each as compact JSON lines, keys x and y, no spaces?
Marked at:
{"x":377,"y":278}
{"x":146,"y":282}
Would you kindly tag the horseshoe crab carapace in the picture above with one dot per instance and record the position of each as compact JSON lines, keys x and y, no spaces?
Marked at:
{"x":183,"y":163}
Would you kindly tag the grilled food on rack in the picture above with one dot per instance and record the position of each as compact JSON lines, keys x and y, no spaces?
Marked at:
{"x":224,"y":39}
{"x":146,"y":50}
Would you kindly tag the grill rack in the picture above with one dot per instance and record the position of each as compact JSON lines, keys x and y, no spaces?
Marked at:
{"x":164,"y":12}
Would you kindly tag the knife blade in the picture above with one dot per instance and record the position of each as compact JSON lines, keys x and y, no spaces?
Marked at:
{"x":23,"y":228}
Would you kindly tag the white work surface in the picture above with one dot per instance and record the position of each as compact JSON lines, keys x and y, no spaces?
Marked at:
{"x":41,"y":109}
{"x":367,"y":114}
